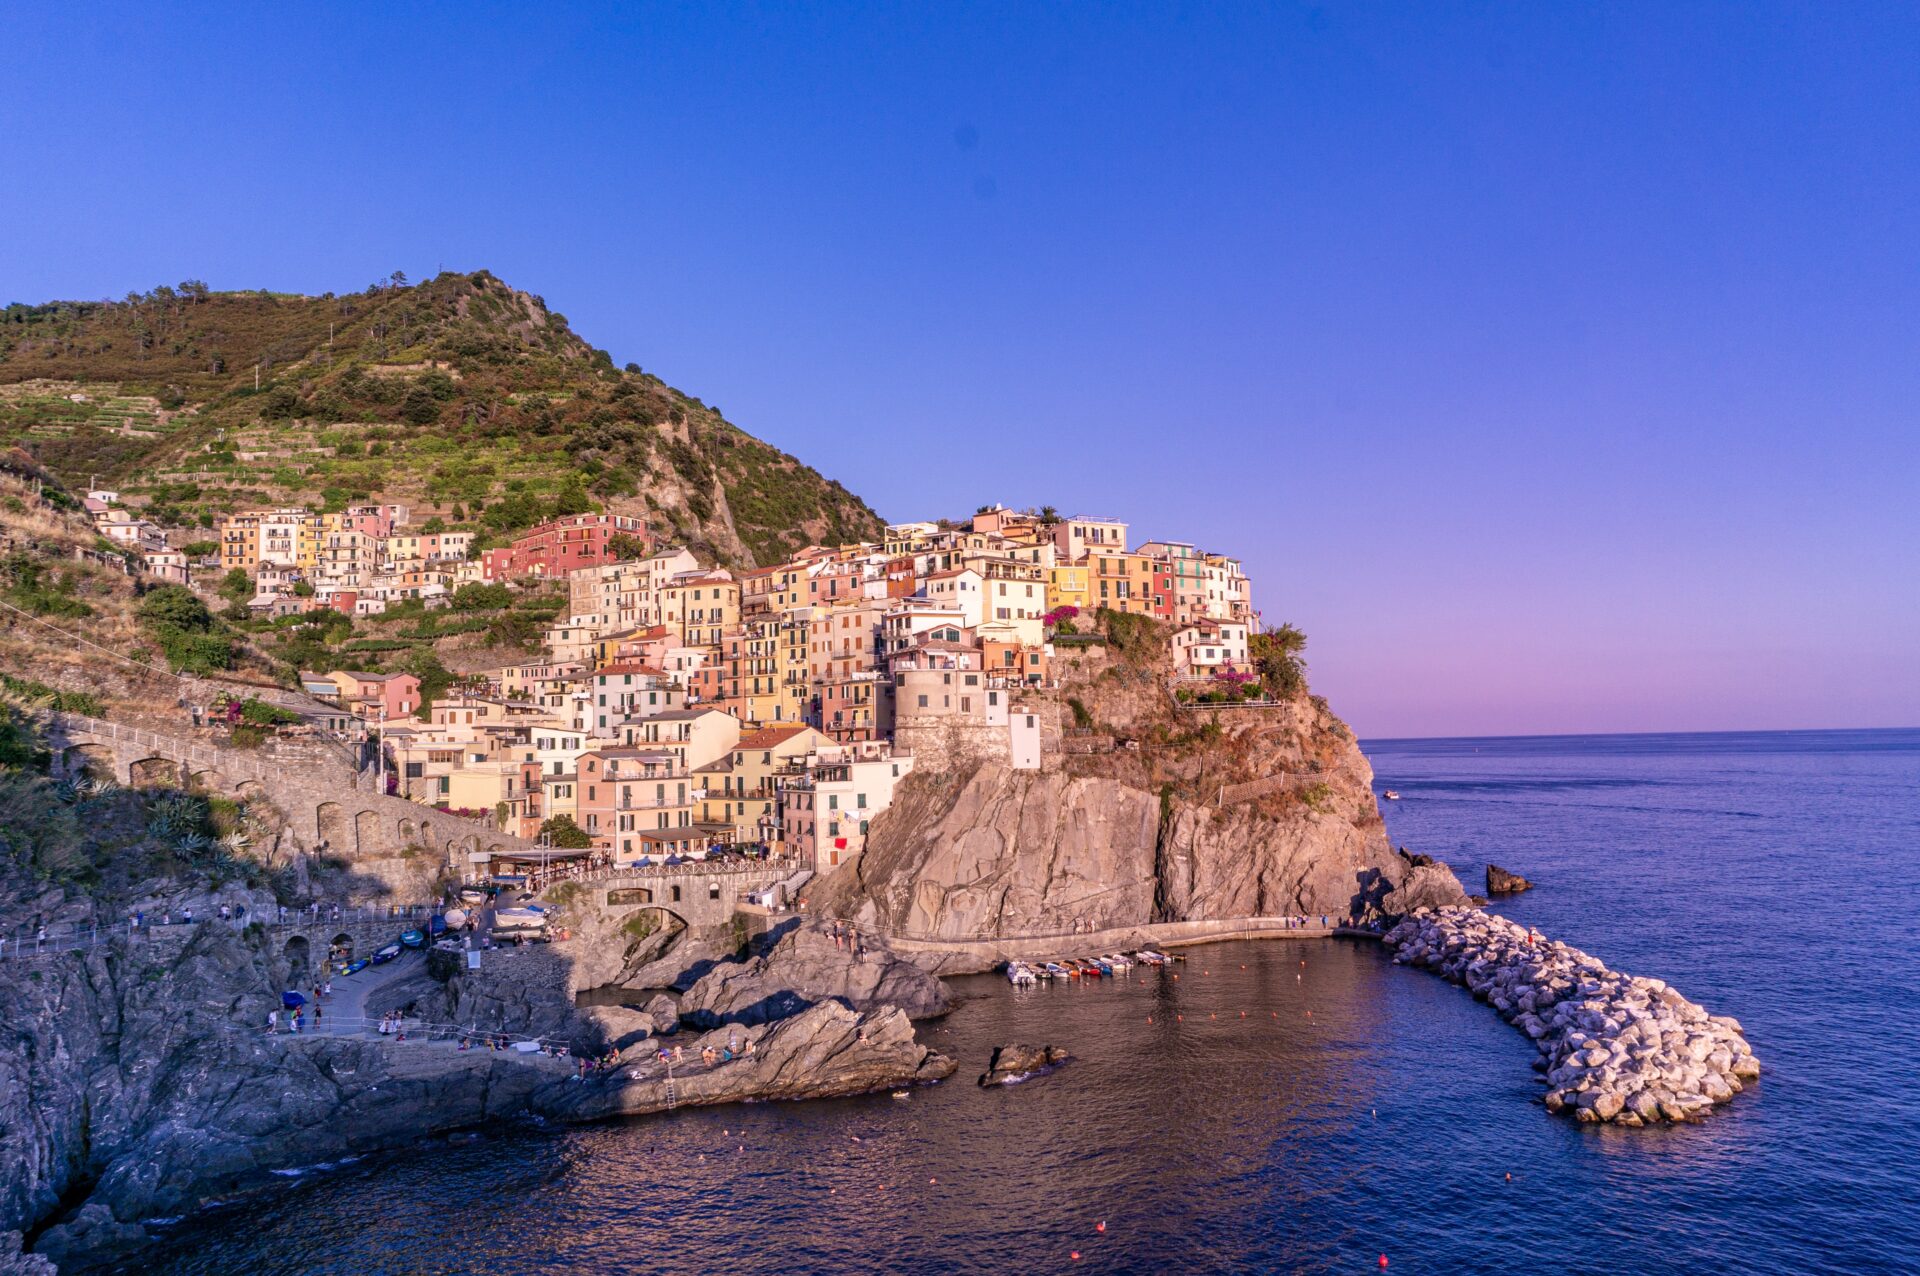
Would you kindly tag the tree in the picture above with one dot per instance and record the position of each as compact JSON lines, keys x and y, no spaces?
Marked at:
{"x":1276,"y":654}
{"x":176,"y":607}
{"x":420,"y":407}
{"x":236,"y":586}
{"x":563,"y":833}
{"x":1049,"y":516}
{"x":621,"y":546}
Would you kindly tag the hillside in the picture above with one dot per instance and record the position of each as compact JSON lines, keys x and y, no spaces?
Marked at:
{"x":459,"y":396}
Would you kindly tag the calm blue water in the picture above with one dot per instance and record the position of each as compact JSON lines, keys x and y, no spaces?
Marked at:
{"x":1357,"y":1108}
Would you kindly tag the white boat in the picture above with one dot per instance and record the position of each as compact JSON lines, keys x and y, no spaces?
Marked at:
{"x":1018,"y":974}
{"x":1119,"y":961}
{"x":1393,"y":795}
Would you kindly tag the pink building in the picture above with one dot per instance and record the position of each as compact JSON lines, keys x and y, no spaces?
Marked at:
{"x":556,"y":548}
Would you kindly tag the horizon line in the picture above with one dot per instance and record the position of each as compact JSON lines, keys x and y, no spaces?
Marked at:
{"x":1584,"y":735}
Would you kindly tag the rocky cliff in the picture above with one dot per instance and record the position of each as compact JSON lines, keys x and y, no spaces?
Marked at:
{"x":1152,"y":812}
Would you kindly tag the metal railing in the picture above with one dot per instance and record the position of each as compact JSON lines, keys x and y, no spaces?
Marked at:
{"x":27,"y":943}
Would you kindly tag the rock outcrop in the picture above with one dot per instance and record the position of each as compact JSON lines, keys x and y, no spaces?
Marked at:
{"x":1501,"y":882}
{"x":1012,"y":1064}
{"x":824,"y":1051}
{"x":798,"y":965}
{"x":998,"y":853}
{"x":1617,"y":1048}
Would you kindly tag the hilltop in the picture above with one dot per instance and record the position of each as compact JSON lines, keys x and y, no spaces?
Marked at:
{"x":460,"y":397}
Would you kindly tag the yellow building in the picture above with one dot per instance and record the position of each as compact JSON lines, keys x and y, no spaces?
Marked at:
{"x":739,"y":788}
{"x":701,"y":609}
{"x":240,"y":542}
{"x":1122,"y":582}
{"x":1069,"y":586}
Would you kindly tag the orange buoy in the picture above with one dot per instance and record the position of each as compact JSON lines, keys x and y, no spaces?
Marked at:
{"x":1383,"y":1260}
{"x":1076,"y":1255}
{"x":1243,"y":1014}
{"x":1180,"y":1018}
{"x":1101,"y":1226}
{"x":933,"y":1180}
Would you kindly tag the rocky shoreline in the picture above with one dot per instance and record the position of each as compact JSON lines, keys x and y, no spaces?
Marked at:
{"x":1619,"y":1049}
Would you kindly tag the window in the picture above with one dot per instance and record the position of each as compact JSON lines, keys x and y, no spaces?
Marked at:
{"x":923,"y":702}
{"x":713,"y":890}
{"x":676,"y":894}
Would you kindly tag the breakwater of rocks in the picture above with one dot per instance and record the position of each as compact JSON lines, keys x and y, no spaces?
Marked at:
{"x":1618,"y":1048}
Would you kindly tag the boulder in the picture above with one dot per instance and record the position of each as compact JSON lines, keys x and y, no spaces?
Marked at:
{"x":1015,"y":1063}
{"x":1501,"y":882}
{"x":798,"y":965}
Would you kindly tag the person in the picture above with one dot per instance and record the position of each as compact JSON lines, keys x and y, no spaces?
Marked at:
{"x":225,"y":912}
{"x":138,"y":918}
{"x":39,"y":938}
{"x":273,"y":1022}
{"x":749,"y":1050}
{"x":326,"y":989}
{"x":166,"y":917}
{"x":316,"y":1016}
{"x":189,"y":916}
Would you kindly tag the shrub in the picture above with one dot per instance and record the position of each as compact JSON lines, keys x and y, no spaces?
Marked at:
{"x":1081,"y":717}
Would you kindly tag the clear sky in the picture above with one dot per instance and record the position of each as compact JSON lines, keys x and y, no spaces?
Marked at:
{"x":1554,"y":366}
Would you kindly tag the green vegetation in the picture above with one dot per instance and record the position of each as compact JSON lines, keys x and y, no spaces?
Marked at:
{"x":40,"y":695}
{"x":185,"y":630}
{"x":460,"y":396}
{"x":1276,"y":654}
{"x":31,"y":587}
{"x":1081,"y":718}
{"x":1135,"y":637}
{"x":564,"y":833}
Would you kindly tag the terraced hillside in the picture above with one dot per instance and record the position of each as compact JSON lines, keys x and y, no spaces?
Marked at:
{"x":460,"y":396}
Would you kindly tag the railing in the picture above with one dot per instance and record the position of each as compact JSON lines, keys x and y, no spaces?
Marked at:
{"x":24,"y":943}
{"x":541,"y":880}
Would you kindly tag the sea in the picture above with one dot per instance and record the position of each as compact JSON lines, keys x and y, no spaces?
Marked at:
{"x":1297,"y":1106}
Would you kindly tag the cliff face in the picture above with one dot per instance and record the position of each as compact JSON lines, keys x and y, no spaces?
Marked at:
{"x":1151,"y":813}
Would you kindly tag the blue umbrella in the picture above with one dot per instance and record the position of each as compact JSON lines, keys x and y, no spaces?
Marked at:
{"x":292,"y":1000}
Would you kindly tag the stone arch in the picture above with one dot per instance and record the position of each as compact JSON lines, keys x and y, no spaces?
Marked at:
{"x":299,"y":960}
{"x":95,"y":760}
{"x":340,"y":948}
{"x":332,"y":827}
{"x":366,"y":831}
{"x":407,"y":832}
{"x":426,"y":834}
{"x":648,"y":918}
{"x":154,"y":773}
{"x":203,"y":781}
{"x":251,"y":791}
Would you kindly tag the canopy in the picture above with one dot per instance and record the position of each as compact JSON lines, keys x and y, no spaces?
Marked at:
{"x":292,"y":1000}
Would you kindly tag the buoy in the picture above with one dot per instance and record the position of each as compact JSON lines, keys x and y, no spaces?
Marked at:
{"x":1180,"y":1018}
{"x":1509,"y":1178}
{"x":1213,"y":1016}
{"x":933,"y":1180}
{"x":1383,"y":1260}
{"x":1243,"y":1014}
{"x":1076,"y":1255}
{"x":743,"y":1147}
{"x":1149,"y":1018}
{"x":1243,"y":965}
{"x":1101,"y":1226}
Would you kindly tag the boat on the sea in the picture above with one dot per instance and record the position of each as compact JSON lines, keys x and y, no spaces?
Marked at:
{"x":1056,"y":971}
{"x":1393,"y":795}
{"x":1119,"y":961}
{"x":1020,"y":974}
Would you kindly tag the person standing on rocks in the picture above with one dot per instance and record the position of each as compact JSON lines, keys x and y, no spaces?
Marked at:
{"x":273,"y":1022}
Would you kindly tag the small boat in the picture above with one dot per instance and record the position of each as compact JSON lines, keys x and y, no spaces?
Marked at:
{"x":1019,"y":975}
{"x":1056,"y":971}
{"x":900,"y":1094}
{"x":1150,"y":957}
{"x":413,"y":938}
{"x":354,"y":967}
{"x":386,"y":954}
{"x":1119,"y":961}
{"x":1393,"y":795}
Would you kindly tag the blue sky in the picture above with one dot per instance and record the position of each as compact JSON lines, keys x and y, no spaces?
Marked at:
{"x":1553,"y":366}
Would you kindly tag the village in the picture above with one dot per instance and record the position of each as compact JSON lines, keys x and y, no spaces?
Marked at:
{"x":678,"y":709}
